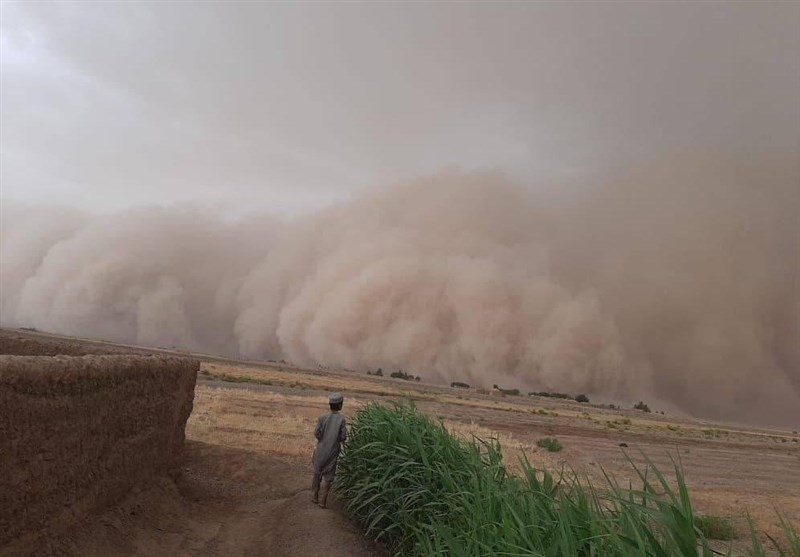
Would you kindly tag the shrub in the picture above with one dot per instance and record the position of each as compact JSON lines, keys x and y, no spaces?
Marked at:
{"x":550,"y":443}
{"x":399,"y":374}
{"x":581,"y":398}
{"x":641,"y":406}
{"x":564,"y":396}
{"x":513,"y":392}
{"x":459,"y":385}
{"x":715,"y":527}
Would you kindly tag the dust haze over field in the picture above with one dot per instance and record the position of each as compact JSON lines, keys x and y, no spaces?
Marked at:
{"x":597,"y":197}
{"x":678,"y":280}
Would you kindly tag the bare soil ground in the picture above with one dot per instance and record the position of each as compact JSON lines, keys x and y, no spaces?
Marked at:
{"x":229,"y":502}
{"x":244,"y":489}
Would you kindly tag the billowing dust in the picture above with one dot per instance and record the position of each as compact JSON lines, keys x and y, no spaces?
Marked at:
{"x":678,"y":281}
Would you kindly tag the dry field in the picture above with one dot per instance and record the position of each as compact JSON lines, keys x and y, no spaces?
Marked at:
{"x":731,"y":469}
{"x":245,"y":484}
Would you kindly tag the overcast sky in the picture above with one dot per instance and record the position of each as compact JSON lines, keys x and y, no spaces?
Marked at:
{"x":286,"y":107}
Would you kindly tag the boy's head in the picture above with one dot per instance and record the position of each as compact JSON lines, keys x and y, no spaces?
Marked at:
{"x":336,"y":400}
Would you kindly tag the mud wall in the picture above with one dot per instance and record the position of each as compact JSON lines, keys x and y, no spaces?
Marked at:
{"x":76,"y":433}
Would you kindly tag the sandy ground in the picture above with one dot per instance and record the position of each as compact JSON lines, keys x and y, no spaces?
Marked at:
{"x":228,"y":502}
{"x":244,"y":489}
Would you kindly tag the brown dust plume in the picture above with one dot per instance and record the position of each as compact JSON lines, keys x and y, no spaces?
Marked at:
{"x":675,"y":281}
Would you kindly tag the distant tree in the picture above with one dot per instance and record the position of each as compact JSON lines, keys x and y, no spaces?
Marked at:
{"x":641,"y":406}
{"x":581,"y":398}
{"x":379,"y":372}
{"x":459,"y":384}
{"x":418,"y":378}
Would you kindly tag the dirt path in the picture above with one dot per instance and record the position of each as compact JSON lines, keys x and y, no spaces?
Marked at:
{"x":228,"y":502}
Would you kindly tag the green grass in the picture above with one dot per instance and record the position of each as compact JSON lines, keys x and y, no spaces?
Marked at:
{"x":425,"y":492}
{"x":550,"y":443}
{"x":715,"y":527}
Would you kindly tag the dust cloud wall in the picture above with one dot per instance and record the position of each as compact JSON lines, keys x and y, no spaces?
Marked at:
{"x":76,"y":433}
{"x":676,"y":280}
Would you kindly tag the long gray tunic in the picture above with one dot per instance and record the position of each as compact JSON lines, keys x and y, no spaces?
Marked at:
{"x":330,"y":432}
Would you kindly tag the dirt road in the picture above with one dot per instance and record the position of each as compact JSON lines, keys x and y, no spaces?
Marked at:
{"x":228,"y":502}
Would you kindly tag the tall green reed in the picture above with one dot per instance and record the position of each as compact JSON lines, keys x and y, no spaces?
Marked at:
{"x":425,"y":492}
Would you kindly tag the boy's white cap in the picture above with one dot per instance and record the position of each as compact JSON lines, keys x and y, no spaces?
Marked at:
{"x":336,"y":398}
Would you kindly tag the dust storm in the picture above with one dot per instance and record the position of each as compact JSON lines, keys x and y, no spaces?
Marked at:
{"x":676,"y":280}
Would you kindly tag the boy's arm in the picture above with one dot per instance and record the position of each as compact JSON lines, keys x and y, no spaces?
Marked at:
{"x":320,"y":429}
{"x":343,"y":432}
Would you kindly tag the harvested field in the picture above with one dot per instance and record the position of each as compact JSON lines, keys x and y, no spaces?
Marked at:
{"x":244,"y":486}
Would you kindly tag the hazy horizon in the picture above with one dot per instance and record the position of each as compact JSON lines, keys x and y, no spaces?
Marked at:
{"x":597,"y":197}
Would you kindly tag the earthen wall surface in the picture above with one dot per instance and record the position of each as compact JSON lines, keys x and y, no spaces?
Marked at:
{"x":77,"y":432}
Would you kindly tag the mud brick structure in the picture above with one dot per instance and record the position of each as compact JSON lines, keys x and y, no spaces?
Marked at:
{"x":78,"y":432}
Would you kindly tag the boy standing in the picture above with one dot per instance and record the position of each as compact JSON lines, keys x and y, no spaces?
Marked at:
{"x":330,"y":432}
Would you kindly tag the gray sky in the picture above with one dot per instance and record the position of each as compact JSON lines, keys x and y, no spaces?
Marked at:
{"x":286,"y":107}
